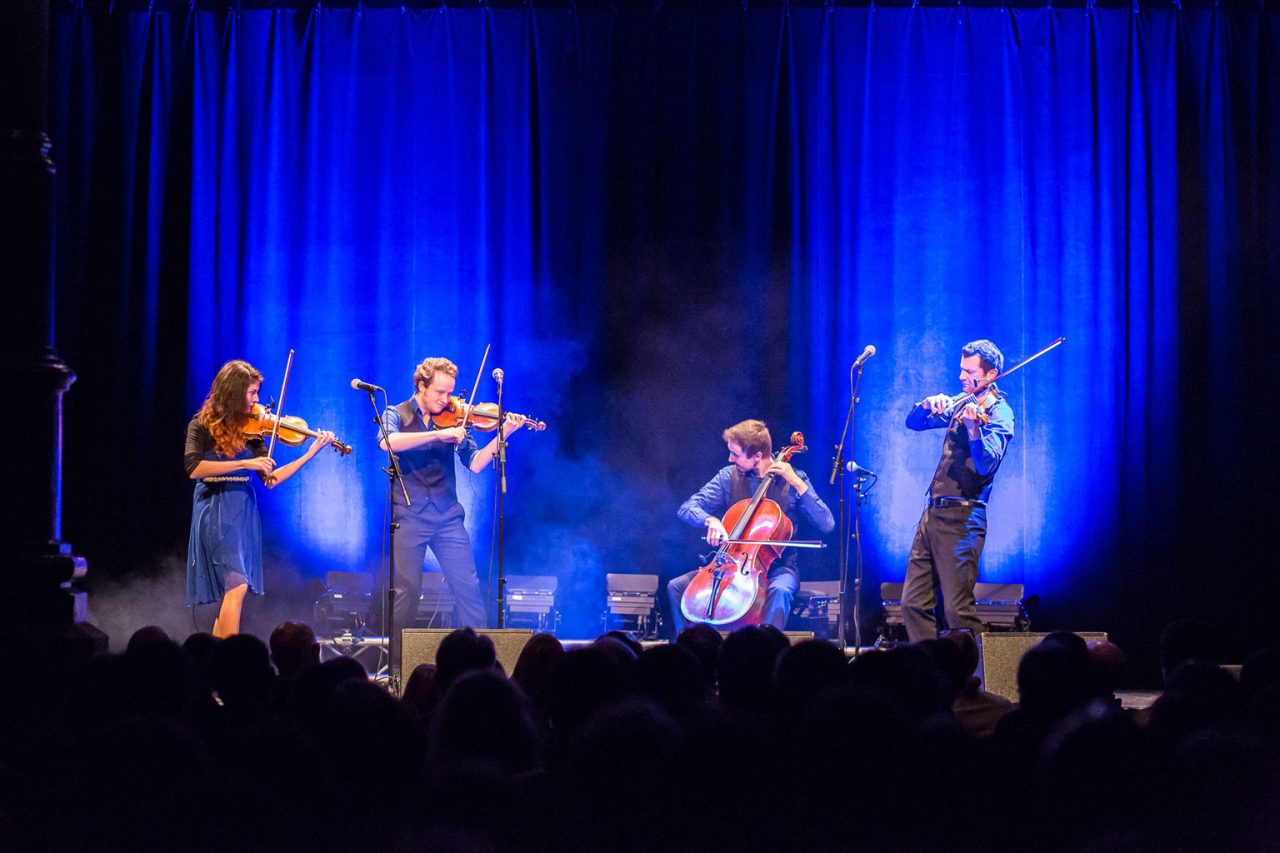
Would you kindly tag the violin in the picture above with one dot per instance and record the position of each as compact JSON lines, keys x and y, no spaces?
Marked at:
{"x":983,"y":399}
{"x":729,"y":592}
{"x":293,"y":430}
{"x":482,"y":416}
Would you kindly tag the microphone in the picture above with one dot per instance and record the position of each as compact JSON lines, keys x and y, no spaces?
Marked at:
{"x":497,"y":375}
{"x":365,"y":386}
{"x":855,"y":468}
{"x":866,"y":354}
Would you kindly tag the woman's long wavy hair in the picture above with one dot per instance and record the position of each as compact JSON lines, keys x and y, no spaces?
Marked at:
{"x":222,"y":412}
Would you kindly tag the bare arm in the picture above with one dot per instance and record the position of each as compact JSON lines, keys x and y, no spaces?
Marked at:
{"x":481,"y":458}
{"x":321,"y":441}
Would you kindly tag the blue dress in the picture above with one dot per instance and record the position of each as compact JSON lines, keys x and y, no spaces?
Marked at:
{"x":225,"y":546}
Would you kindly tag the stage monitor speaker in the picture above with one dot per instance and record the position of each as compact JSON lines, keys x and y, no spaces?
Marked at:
{"x":1002,"y":652}
{"x":421,"y":645}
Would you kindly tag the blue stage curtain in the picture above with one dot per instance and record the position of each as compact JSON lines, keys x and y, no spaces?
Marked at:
{"x":670,"y":217}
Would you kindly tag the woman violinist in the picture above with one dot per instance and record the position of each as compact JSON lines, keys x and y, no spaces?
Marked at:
{"x":224,"y":552}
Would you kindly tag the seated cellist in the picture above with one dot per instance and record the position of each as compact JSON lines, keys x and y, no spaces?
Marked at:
{"x":750,"y":460}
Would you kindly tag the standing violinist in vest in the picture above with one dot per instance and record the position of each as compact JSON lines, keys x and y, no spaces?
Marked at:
{"x":949,"y":538}
{"x":435,"y":520}
{"x":750,"y":460}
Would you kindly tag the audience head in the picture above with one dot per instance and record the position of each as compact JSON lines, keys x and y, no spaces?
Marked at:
{"x":1069,"y":640}
{"x":583,"y":681}
{"x":951,"y":669}
{"x":316,"y":685}
{"x":199,"y":650}
{"x":968,"y":647}
{"x":905,"y":675}
{"x":1054,"y":679}
{"x":461,"y":651}
{"x":1110,"y":666}
{"x":149,"y":635}
{"x":241,"y":670}
{"x":1185,"y":639}
{"x":419,"y":694}
{"x":671,"y":677}
{"x":1095,"y":775}
{"x":533,"y":668}
{"x":746,"y":668}
{"x":626,"y":639}
{"x":1198,"y":695}
{"x":293,"y":648}
{"x":483,"y":718}
{"x":623,"y":651}
{"x":618,"y":773}
{"x":705,"y":642}
{"x":803,"y":672}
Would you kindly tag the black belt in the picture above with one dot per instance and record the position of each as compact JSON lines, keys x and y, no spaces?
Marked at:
{"x":948,"y":503}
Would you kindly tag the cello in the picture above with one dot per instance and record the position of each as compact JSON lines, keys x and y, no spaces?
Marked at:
{"x":729,"y":592}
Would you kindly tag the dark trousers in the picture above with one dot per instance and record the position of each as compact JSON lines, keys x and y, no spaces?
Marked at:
{"x":777,"y":600}
{"x":446,"y":535}
{"x":943,"y":566}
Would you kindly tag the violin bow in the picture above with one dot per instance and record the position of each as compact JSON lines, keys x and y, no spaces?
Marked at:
{"x":284,"y":386}
{"x":955,"y":404}
{"x":1027,"y":360}
{"x":476,"y":386}
{"x":988,"y":383}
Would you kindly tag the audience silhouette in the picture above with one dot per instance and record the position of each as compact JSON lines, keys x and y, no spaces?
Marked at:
{"x":740,"y":743}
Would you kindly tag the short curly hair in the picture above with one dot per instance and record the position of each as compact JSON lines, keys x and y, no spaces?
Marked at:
{"x":989,"y":355}
{"x":426,"y":371}
{"x":752,"y":436}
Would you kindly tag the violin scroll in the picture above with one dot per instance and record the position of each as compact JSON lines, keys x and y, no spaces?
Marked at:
{"x":797,"y":446}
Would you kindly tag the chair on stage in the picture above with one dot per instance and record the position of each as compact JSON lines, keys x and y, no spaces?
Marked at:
{"x":530,"y":602}
{"x":1001,"y":607}
{"x":631,"y":605}
{"x":816,"y":608}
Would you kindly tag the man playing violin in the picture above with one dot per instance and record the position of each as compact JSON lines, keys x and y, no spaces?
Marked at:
{"x":435,"y":520}
{"x":949,"y":538}
{"x":750,"y":460}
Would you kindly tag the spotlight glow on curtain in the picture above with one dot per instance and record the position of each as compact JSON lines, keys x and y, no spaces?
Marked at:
{"x":669,"y":218}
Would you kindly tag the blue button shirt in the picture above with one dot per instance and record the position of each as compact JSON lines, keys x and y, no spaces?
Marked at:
{"x":429,"y":472}
{"x":967,"y":466}
{"x":714,"y":499}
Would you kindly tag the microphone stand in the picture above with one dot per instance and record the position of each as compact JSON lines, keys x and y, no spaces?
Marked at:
{"x":859,"y":498}
{"x":842,"y":557}
{"x":501,"y":461}
{"x":394,"y":476}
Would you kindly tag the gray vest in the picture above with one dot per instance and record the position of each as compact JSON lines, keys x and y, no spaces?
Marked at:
{"x":429,"y":473}
{"x":956,"y":475}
